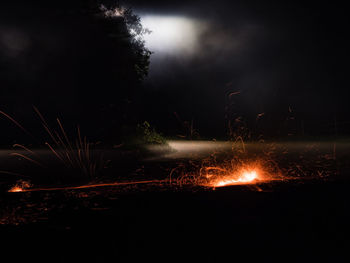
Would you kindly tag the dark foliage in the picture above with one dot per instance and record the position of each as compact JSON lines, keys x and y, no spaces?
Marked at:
{"x":77,"y":60}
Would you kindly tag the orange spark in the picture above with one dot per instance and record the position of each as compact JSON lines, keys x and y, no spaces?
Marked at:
{"x":245,"y":177}
{"x":235,"y":174}
{"x":15,"y":189}
{"x":20,"y":186}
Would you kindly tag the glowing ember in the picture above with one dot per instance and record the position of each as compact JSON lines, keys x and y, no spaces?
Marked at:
{"x":20,"y":186}
{"x":15,"y":189}
{"x":246,"y":177}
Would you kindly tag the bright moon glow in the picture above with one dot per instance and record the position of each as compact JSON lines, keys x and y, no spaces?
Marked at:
{"x":170,"y":34}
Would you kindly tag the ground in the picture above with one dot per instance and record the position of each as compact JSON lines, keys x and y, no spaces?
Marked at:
{"x":296,"y":220}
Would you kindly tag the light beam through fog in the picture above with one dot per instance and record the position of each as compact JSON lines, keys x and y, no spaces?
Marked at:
{"x":171,"y":34}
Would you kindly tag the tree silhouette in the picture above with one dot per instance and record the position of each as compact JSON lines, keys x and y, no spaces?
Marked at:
{"x":84,"y":61}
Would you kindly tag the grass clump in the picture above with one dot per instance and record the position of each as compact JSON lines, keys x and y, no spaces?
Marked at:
{"x":149,"y":135}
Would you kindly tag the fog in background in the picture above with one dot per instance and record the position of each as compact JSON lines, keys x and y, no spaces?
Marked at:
{"x":282,"y":67}
{"x":283,"y":60}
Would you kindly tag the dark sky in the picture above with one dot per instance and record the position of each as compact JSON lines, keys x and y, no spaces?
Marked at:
{"x":287,"y":59}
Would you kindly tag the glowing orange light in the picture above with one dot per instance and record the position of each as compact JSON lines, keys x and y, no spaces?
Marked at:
{"x":20,"y":186}
{"x":246,"y":177}
{"x":15,"y":189}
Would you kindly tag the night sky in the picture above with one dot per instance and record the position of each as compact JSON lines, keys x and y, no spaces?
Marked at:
{"x":286,"y":61}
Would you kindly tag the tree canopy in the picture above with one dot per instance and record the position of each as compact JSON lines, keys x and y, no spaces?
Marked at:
{"x":81,"y":61}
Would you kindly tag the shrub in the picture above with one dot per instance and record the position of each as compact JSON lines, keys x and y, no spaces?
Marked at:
{"x":149,"y":135}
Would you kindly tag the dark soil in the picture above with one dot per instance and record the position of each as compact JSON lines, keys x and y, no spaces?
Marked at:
{"x":294,"y":222}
